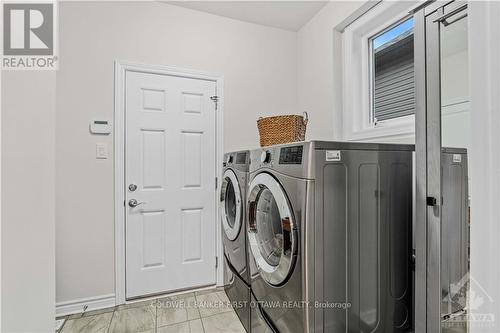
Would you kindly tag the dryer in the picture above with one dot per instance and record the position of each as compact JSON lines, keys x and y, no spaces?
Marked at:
{"x":329,"y":237}
{"x":232,"y":205}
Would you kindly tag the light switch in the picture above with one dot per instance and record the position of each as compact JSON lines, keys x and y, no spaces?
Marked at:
{"x":101,"y":151}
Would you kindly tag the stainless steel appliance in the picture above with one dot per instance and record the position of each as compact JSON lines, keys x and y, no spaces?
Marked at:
{"x":454,"y":233}
{"x":329,"y":237}
{"x":233,"y":219}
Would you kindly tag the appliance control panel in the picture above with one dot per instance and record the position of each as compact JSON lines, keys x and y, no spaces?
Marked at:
{"x":291,"y":155}
{"x":265,"y":156}
{"x":241,"y":158}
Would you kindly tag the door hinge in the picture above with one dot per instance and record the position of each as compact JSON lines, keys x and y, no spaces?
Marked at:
{"x":216,"y":262}
{"x":216,"y":183}
{"x":215,"y":98}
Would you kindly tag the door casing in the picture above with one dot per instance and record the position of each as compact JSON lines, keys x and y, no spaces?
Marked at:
{"x":121,"y":67}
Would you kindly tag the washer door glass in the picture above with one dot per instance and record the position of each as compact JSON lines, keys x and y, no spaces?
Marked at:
{"x":230,"y":205}
{"x":271,"y":229}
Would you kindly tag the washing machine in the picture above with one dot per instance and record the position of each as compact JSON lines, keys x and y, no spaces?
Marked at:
{"x":329,"y":237}
{"x":232,"y":211}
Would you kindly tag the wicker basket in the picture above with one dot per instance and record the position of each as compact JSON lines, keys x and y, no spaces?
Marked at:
{"x":282,"y":129}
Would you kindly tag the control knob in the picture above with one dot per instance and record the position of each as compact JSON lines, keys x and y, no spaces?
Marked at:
{"x":265,"y":157}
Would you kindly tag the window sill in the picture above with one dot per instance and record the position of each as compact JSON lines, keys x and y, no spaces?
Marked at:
{"x":383,"y":132}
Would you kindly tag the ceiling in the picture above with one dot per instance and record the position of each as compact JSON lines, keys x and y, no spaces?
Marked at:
{"x":289,"y":15}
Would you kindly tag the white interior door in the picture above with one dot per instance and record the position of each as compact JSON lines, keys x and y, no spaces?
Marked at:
{"x":170,"y":171}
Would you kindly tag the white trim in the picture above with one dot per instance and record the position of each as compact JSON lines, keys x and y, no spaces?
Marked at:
{"x":1,"y":182}
{"x":92,"y":303}
{"x":356,"y":76}
{"x":119,"y":156}
{"x":220,"y":157}
{"x":484,"y":156}
{"x":108,"y":301}
{"x":356,"y":15}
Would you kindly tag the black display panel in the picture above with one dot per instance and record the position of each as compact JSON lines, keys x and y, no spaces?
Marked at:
{"x":291,"y":155}
{"x":241,"y":158}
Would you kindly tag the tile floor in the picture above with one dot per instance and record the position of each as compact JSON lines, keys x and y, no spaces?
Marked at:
{"x":196,"y":312}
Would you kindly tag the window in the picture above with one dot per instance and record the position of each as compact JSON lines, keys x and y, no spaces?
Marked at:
{"x":375,"y":72}
{"x":392,"y":86}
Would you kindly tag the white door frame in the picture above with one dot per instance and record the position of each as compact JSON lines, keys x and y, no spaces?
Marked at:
{"x":121,"y":67}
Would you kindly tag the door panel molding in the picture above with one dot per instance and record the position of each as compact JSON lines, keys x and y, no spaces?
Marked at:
{"x":121,"y":68}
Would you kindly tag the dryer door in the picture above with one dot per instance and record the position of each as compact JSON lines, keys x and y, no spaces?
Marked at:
{"x":271,"y":229}
{"x":230,"y":205}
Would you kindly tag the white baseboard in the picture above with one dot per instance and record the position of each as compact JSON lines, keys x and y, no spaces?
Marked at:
{"x":92,"y":303}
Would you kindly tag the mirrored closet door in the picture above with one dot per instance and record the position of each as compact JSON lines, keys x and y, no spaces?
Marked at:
{"x":442,"y":145}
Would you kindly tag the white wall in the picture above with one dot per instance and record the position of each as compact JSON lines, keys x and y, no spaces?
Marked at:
{"x":260,"y":68}
{"x":317,"y":86}
{"x":28,"y":207}
{"x":484,"y":41}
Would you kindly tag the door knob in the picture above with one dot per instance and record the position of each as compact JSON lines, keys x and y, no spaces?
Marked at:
{"x":134,"y":203}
